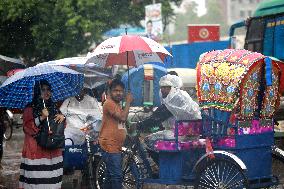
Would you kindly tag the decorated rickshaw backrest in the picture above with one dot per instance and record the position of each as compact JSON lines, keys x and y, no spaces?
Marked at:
{"x":231,"y":80}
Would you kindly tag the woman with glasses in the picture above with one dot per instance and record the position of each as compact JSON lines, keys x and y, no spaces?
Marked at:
{"x":40,"y":167}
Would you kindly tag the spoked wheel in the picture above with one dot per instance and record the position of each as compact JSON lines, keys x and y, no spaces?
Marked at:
{"x":221,"y":174}
{"x":278,"y":168}
{"x":130,"y":170}
{"x":8,"y":128}
{"x":101,"y":174}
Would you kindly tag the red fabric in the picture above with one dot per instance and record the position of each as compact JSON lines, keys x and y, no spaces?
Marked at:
{"x":281,"y":65}
{"x":133,"y":42}
{"x":203,"y":33}
{"x":209,"y":149}
{"x":12,"y":72}
{"x":30,"y":148}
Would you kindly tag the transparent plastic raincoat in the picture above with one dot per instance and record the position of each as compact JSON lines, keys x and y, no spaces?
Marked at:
{"x":179,"y":103}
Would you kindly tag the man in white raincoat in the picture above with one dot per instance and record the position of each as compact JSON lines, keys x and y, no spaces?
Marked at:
{"x":80,"y":111}
{"x":176,"y":105}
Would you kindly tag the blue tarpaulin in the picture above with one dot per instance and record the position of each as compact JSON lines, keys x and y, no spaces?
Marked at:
{"x":187,"y":55}
{"x":136,"y":77}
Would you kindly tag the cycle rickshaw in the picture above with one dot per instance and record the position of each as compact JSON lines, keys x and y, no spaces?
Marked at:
{"x":238,"y":93}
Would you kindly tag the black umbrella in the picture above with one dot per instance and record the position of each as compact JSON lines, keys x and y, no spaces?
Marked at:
{"x":7,"y":64}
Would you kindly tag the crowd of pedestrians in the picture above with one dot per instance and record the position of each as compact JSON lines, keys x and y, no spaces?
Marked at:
{"x":43,"y":168}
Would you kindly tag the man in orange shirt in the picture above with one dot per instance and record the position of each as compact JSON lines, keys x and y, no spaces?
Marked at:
{"x":113,"y":132}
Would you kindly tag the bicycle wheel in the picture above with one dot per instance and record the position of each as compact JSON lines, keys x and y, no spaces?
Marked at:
{"x":8,"y":127}
{"x":278,"y":168}
{"x":221,"y":174}
{"x":131,"y":172}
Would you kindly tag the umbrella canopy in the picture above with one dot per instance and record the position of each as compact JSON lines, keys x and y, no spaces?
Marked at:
{"x":7,"y":64}
{"x":128,"y":50}
{"x":94,"y":75}
{"x":70,"y":61}
{"x":17,"y":91}
{"x":92,"y":82}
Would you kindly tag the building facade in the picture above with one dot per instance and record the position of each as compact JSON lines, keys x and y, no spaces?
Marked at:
{"x":236,"y":10}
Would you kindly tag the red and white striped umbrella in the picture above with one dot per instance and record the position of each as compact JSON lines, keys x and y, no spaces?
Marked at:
{"x":128,"y":50}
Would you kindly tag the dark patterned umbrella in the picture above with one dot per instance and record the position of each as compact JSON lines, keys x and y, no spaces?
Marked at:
{"x":7,"y":64}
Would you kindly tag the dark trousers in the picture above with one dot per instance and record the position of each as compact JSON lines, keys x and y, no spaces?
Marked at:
{"x":113,"y":170}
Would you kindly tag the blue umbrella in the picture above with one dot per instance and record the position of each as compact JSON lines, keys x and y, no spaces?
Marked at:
{"x":17,"y":91}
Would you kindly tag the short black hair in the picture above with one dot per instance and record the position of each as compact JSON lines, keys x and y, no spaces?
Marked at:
{"x":172,"y":73}
{"x":116,"y":82}
{"x":149,"y":22}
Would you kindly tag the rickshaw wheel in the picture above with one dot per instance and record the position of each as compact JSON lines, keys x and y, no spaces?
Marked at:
{"x":221,"y":174}
{"x":277,"y":168}
{"x":131,"y":171}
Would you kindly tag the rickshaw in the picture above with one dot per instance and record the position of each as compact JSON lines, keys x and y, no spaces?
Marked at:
{"x":238,"y":93}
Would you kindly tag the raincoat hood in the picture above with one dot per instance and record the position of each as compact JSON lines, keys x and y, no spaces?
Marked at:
{"x":178,"y":101}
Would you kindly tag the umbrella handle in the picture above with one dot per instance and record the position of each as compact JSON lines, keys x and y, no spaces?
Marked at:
{"x":47,"y":116}
{"x":128,"y":85}
{"x":45,"y":107}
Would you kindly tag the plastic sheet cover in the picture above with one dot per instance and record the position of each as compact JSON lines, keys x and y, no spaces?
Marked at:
{"x":178,"y":102}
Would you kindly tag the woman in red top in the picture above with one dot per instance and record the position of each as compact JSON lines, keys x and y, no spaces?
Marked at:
{"x":40,"y":168}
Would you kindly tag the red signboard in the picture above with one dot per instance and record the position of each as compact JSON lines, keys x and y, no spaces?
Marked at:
{"x":203,"y":32}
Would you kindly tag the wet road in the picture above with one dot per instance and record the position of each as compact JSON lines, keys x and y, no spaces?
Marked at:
{"x":11,"y":162}
{"x":9,"y":175}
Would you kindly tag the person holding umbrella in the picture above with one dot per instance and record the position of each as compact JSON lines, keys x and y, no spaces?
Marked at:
{"x":113,"y":132}
{"x":40,"y":167}
{"x":35,"y":90}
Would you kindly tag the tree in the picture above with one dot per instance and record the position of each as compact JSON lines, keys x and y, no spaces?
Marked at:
{"x":41,"y":30}
{"x":214,"y":16}
{"x":183,"y":19}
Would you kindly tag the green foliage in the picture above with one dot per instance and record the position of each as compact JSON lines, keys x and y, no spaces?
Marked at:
{"x":41,"y":30}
